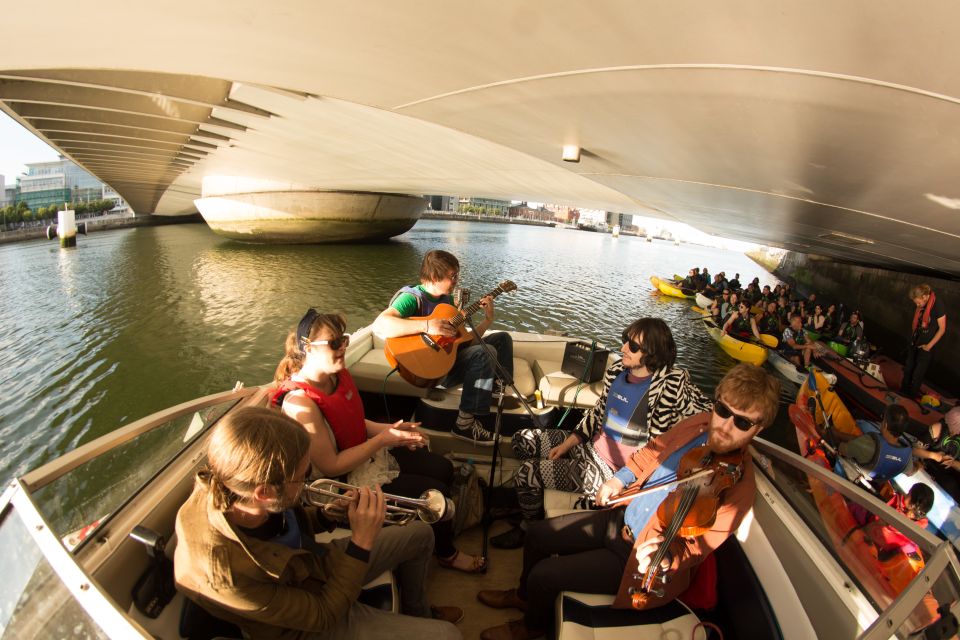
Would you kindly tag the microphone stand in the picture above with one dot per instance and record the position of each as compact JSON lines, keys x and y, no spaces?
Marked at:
{"x":503,"y":379}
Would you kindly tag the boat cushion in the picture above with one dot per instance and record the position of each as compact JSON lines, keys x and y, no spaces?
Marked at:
{"x":561,"y":389}
{"x":583,"y":616}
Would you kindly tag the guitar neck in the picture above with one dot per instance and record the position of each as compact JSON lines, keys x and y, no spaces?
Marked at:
{"x":461,"y":317}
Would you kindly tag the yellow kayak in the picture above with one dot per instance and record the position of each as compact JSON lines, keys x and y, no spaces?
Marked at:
{"x":668,"y":289}
{"x":736,"y":349}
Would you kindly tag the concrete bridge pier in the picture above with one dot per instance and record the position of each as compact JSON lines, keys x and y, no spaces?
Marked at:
{"x":294,"y":216}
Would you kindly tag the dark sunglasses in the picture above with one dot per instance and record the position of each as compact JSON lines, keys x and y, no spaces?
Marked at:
{"x":633,"y":345}
{"x":334,"y":344}
{"x":740,"y":422}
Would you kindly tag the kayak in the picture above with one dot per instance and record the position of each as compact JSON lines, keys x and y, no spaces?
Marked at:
{"x":668,"y":289}
{"x":884,"y":578}
{"x":839,"y":347}
{"x":736,"y":349}
{"x":869,"y":395}
{"x":789,"y":371}
{"x":944,"y":515}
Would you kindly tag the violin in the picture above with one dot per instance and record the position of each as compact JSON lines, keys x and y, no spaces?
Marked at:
{"x":689,"y":511}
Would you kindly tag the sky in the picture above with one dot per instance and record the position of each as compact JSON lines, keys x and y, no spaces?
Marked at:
{"x":18,"y":146}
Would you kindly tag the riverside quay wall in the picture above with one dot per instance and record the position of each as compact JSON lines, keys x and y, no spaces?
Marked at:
{"x":882,"y":297}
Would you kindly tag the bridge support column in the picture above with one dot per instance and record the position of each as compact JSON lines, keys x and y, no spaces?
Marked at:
{"x":303,"y":217}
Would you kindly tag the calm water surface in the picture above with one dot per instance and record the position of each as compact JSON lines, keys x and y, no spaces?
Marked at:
{"x":134,"y":321}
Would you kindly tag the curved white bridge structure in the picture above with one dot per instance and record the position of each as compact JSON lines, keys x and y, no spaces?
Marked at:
{"x":817,"y":126}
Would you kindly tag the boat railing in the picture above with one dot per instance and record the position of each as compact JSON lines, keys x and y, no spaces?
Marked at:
{"x":900,"y":614}
{"x":79,"y":491}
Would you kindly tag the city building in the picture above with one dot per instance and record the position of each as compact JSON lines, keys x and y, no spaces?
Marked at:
{"x":57,"y":182}
{"x":443,"y":203}
{"x":484,"y":206}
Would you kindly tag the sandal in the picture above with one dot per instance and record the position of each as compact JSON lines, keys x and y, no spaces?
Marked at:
{"x":479,"y":564}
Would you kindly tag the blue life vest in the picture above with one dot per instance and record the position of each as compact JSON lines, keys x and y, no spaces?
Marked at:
{"x":622,"y":401}
{"x":425,"y":306}
{"x":892,"y":459}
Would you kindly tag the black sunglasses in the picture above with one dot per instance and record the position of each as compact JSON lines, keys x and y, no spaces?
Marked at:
{"x":633,"y":345}
{"x":740,"y":422}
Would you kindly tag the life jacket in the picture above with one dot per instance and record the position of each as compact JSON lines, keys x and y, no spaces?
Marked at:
{"x":342,"y":410}
{"x":769,"y":324}
{"x":425,"y":306}
{"x":923,"y":321}
{"x":891,"y":459}
{"x":741,"y":325}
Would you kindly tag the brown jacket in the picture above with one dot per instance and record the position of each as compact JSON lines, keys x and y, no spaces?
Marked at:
{"x":268,"y":590}
{"x":687,"y":553}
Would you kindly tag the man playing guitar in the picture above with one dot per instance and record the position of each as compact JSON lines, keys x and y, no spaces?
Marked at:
{"x":439,"y":273}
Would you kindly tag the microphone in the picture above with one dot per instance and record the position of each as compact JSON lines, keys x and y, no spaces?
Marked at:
{"x":461,"y":297}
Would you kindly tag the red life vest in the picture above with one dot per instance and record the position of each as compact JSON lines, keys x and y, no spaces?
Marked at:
{"x":924,"y":322}
{"x":342,"y":410}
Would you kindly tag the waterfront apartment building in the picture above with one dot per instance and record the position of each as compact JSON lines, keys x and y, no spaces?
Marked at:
{"x":488,"y":206}
{"x":443,"y":203}
{"x":60,"y":181}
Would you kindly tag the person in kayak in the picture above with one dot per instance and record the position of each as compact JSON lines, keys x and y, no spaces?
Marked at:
{"x":794,"y":345}
{"x":850,"y":330}
{"x":881,"y":451}
{"x":741,"y":324}
{"x":887,"y":538}
{"x":941,"y":443}
{"x":929,"y":325}
{"x":768,"y":321}
{"x":817,"y":319}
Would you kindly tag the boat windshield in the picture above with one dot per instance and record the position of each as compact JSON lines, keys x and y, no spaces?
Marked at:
{"x":888,"y":557}
{"x":78,"y":491}
{"x":34,"y":601}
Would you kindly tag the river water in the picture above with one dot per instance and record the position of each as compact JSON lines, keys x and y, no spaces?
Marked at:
{"x":133,"y":321}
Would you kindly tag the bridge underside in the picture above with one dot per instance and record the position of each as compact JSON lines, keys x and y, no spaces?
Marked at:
{"x":820,"y":127}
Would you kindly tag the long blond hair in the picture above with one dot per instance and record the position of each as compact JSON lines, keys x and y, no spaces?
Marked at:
{"x":309,"y":328}
{"x":248,"y":448}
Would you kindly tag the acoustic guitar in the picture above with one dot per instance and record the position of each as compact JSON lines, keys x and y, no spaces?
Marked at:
{"x":423,"y":359}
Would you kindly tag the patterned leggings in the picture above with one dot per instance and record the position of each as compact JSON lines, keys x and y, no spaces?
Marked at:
{"x":582,"y":470}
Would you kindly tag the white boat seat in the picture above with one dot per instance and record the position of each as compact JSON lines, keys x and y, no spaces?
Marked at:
{"x":586,"y":616}
{"x":559,"y":503}
{"x":563,"y":390}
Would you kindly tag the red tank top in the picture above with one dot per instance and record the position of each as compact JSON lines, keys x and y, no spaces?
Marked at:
{"x":342,"y":410}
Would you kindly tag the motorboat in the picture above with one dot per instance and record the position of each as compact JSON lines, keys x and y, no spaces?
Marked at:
{"x":74,"y":527}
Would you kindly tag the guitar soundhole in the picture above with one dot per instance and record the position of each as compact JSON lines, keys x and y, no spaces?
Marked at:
{"x":430,"y":342}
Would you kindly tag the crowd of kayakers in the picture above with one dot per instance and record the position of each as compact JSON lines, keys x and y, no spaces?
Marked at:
{"x":806,"y":325}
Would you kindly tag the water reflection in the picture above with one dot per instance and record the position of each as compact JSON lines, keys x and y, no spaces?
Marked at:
{"x":133,"y":321}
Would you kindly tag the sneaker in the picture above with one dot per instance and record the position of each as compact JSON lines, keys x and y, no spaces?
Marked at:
{"x":474,"y":432}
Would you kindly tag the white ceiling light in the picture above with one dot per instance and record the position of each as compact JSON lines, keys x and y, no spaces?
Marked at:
{"x":571,"y":153}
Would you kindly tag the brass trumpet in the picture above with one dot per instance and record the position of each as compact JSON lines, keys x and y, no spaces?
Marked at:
{"x":432,"y":506}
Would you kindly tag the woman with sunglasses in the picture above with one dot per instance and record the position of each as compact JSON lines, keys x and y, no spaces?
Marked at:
{"x":316,"y":390}
{"x":741,"y":324}
{"x":643,"y":396}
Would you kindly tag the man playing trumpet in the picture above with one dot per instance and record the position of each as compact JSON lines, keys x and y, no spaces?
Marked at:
{"x":247,"y":552}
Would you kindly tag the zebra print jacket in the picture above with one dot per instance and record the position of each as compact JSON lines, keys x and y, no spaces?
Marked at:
{"x":671,"y":398}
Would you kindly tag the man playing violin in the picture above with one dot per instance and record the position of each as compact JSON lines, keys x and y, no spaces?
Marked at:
{"x":439,"y":274}
{"x":601,"y":551}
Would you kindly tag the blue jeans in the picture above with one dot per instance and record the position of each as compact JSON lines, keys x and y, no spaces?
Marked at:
{"x":474,"y":370}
